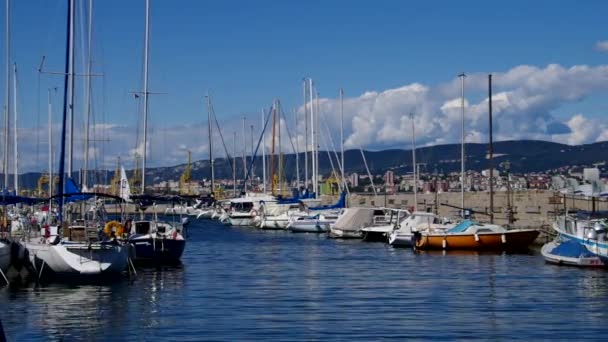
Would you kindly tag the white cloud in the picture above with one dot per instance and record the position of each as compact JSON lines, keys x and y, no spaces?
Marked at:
{"x":524,"y":100}
{"x":601,"y":45}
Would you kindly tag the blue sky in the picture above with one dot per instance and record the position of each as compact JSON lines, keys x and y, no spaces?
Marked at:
{"x":249,"y":52}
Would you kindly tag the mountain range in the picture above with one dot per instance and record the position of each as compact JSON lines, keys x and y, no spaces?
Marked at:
{"x":524,"y":156}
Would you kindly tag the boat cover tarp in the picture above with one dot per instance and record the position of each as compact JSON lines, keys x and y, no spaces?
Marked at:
{"x":354,"y":219}
{"x":11,"y":199}
{"x":461,"y":227}
{"x":572,"y":249}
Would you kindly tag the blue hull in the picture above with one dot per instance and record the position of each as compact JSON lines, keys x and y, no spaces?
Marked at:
{"x":162,"y":251}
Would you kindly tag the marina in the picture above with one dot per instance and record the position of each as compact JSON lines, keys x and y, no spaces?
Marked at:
{"x":383,"y":211}
{"x":306,"y":286}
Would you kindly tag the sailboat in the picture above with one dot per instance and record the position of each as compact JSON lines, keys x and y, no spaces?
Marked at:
{"x":154,"y":241}
{"x":471,"y":235}
{"x":75,"y":248}
{"x":5,"y":255}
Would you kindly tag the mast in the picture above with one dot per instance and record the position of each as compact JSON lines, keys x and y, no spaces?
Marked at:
{"x":342,"y":134}
{"x":252,"y":169}
{"x":15,"y":136}
{"x":244,"y":158}
{"x":491,"y":150}
{"x":211,"y":161}
{"x":312,"y":137}
{"x":317,"y":144}
{"x":274,"y":116}
{"x":65,"y":112}
{"x":146,"y":57}
{"x":50,"y":109}
{"x":295,"y":116}
{"x":234,"y":165}
{"x":305,"y":136}
{"x":263,"y":150}
{"x":71,"y":89}
{"x":462,"y":180}
{"x":280,"y":178}
{"x":7,"y":103}
{"x":88,"y":99}
{"x":414,"y":162}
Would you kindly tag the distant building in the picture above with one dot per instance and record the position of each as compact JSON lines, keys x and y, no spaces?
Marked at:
{"x":591,"y":175}
{"x":354,"y":179}
{"x":389,"y":178}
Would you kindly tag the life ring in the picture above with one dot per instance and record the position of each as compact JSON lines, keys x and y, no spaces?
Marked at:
{"x":113,"y":226}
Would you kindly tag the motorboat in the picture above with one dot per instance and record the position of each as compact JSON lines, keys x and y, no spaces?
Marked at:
{"x":589,"y":228}
{"x":571,"y":253}
{"x":382,"y":226}
{"x":404,"y":230}
{"x":350,"y":224}
{"x":471,"y":235}
{"x":317,"y":223}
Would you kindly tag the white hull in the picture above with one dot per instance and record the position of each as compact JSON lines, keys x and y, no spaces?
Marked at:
{"x":79,"y":258}
{"x":309,"y":227}
{"x":205,"y":214}
{"x":240,"y":221}
{"x":564,"y":260}
{"x":274,"y":223}
{"x":345,"y":234}
{"x":5,"y":256}
{"x":599,"y":248}
{"x":400,"y":239}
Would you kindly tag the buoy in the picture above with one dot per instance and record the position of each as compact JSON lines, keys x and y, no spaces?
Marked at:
{"x":503,"y":237}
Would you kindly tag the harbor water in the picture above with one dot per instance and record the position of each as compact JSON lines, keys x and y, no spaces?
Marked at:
{"x":243,"y":284}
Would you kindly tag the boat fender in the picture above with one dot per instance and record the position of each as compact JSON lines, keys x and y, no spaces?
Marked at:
{"x":254,"y":212}
{"x":476,"y":237}
{"x":444,"y":243}
{"x":503,"y":238}
{"x":174,"y":234}
{"x":113,"y":227}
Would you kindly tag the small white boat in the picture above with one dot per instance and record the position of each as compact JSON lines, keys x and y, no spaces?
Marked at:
{"x":319,"y":223}
{"x":570,"y":252}
{"x":382,"y":226}
{"x":353,"y":220}
{"x":403,"y":233}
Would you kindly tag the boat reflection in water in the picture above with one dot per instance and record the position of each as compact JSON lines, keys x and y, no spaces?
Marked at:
{"x":60,"y":311}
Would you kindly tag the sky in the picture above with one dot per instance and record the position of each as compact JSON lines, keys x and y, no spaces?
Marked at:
{"x":549,"y":62}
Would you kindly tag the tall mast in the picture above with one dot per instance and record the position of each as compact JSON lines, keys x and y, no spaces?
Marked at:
{"x":211,"y":161}
{"x":263,"y":150}
{"x":462,"y":179}
{"x":280,"y":178}
{"x":491,"y":150}
{"x":234,"y":164}
{"x":15,"y":135}
{"x":50,"y":108}
{"x":65,"y":112}
{"x":7,"y":103}
{"x":252,"y":169}
{"x":342,"y":134}
{"x":312,"y":136}
{"x":274,"y":116}
{"x":85,"y":172}
{"x":317,"y":144}
{"x":414,"y":162}
{"x":244,"y":159}
{"x":305,"y":85}
{"x":71,"y":88}
{"x":146,"y":56}
{"x":295,"y":116}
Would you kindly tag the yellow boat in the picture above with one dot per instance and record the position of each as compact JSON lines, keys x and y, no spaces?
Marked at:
{"x":469,"y":235}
